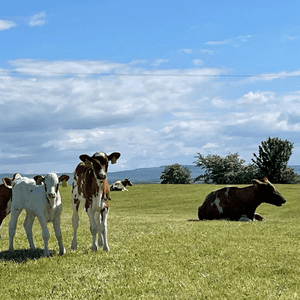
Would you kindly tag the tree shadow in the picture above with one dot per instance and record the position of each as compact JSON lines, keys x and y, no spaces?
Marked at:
{"x":23,"y":255}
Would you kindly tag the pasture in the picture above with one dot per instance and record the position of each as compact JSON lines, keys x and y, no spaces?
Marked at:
{"x":155,"y":253}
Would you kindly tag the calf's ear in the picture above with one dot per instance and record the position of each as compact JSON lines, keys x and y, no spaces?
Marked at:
{"x":83,"y":157}
{"x":256,"y":182}
{"x":113,"y":157}
{"x":7,"y":182}
{"x":38,"y":179}
{"x":64,"y":177}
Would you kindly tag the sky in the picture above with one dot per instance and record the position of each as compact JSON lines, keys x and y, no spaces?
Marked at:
{"x":157,"y":81}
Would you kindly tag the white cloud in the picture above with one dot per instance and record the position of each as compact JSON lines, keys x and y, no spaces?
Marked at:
{"x":218,"y":42}
{"x":187,"y":51}
{"x":158,"y":62}
{"x":257,"y":97}
{"x":235,"y":40}
{"x":271,"y":76}
{"x":198,"y":62}
{"x":207,"y":51}
{"x":38,"y":19}
{"x":152,"y":119}
{"x":5,"y":25}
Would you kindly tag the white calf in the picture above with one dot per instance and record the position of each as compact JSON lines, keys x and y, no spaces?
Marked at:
{"x":41,"y":201}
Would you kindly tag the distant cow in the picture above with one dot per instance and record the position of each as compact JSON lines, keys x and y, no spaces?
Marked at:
{"x":90,"y":186}
{"x":41,"y":201}
{"x":120,"y":185}
{"x":239,"y":204}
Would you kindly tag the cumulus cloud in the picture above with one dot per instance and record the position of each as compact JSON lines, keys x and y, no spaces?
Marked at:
{"x":198,"y":62}
{"x":5,"y":25}
{"x":187,"y":51}
{"x":38,"y":19}
{"x":53,"y":111}
{"x":207,"y":51}
{"x":158,"y":62}
{"x":257,"y":97}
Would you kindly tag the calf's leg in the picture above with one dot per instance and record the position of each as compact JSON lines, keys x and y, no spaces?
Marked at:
{"x":28,"y":222}
{"x":45,"y":234}
{"x":103,"y":230}
{"x":12,"y":227}
{"x":75,"y":223}
{"x":93,"y":228}
{"x":56,"y":227}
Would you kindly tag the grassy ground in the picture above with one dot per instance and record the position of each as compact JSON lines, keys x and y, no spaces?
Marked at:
{"x":155,"y":253}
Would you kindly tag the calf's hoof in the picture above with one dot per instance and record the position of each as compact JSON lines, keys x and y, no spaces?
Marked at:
{"x":106,"y":248}
{"x":62,"y":252}
{"x":74,"y":246}
{"x":94,"y":248}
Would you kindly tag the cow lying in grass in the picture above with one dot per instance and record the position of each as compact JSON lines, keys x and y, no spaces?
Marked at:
{"x":120,"y":185}
{"x":239,"y":204}
{"x":41,"y":201}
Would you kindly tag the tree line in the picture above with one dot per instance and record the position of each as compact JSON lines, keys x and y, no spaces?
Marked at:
{"x":270,"y":162}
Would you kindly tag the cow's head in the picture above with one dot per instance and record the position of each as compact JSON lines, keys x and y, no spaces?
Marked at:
{"x":51,"y":183}
{"x":127,"y":182}
{"x":268,"y":192}
{"x":99,"y":162}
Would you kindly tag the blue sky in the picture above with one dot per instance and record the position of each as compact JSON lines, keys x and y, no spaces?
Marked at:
{"x":158,"y":81}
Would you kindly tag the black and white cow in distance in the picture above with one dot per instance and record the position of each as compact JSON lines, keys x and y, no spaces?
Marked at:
{"x":120,"y":185}
{"x":41,"y":201}
{"x":239,"y":204}
{"x":90,"y":187}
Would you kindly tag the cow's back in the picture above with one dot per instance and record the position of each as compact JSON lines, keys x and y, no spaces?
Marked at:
{"x":25,"y":192}
{"x":84,"y":187}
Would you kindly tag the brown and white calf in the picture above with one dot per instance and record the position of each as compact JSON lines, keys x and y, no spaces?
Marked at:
{"x":41,"y":201}
{"x":90,"y":187}
{"x":5,"y":198}
{"x":239,"y":204}
{"x":120,"y":185}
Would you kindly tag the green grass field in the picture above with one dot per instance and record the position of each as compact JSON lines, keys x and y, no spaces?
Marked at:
{"x":155,"y":253}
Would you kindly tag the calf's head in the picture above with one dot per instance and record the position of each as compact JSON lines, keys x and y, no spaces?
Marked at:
{"x":127,"y":182}
{"x":99,"y":162}
{"x":51,"y":183}
{"x":268,"y":192}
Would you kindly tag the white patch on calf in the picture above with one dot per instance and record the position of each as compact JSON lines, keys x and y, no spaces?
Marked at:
{"x":217,"y":203}
{"x":227,"y":192}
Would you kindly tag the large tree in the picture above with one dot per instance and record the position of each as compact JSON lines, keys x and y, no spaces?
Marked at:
{"x":272,"y":160}
{"x":176,"y":174}
{"x":224,"y":170}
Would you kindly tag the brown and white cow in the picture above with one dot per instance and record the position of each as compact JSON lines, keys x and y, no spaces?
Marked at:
{"x":120,"y":185}
{"x":239,"y":204}
{"x":5,"y":198}
{"x":90,"y":186}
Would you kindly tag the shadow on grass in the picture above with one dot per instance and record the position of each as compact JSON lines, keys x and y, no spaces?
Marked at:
{"x":23,"y":255}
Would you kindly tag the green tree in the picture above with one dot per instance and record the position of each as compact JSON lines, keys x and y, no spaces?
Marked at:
{"x":272,"y":159}
{"x":224,"y":170}
{"x":176,"y":174}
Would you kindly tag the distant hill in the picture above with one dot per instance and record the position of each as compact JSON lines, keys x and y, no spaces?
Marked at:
{"x":139,"y":176}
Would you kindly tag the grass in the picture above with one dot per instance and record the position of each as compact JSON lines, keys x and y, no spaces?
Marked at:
{"x":155,"y":253}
